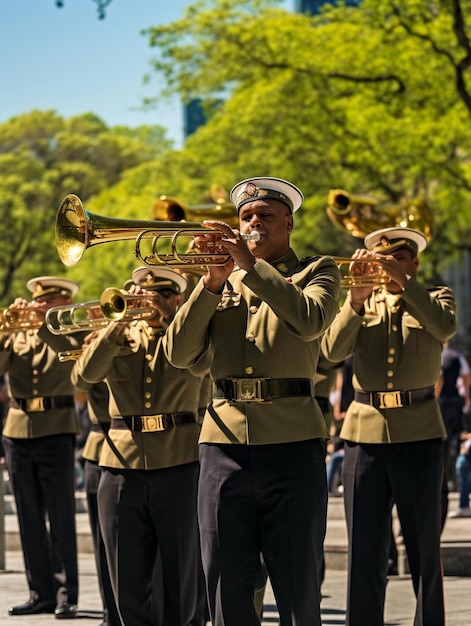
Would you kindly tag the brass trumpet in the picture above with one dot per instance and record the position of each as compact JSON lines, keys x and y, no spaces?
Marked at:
{"x":117,"y":305}
{"x":361,"y":215}
{"x":78,"y":229}
{"x":114,"y":304}
{"x":72,"y":318}
{"x":70,"y":355}
{"x":14,"y":319}
{"x":372,"y":273}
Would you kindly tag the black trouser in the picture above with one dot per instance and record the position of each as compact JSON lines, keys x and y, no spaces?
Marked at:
{"x":149,"y":526}
{"x":375,"y":476}
{"x":269,"y":499}
{"x":42,"y":475}
{"x":92,"y":475}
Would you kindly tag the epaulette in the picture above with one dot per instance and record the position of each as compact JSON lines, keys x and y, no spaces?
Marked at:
{"x":432,"y":288}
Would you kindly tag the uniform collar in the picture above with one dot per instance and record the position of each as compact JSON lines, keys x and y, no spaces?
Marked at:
{"x":287,"y":263}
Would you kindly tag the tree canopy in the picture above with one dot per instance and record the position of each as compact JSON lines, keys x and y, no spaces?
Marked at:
{"x":43,"y":158}
{"x":374,"y":99}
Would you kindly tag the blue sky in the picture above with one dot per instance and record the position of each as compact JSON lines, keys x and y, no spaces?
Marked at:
{"x":70,"y":61}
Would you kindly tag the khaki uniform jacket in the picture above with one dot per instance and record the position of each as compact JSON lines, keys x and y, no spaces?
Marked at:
{"x":141,"y":382}
{"x":396,"y":345}
{"x":34,"y":370}
{"x":266,"y":323}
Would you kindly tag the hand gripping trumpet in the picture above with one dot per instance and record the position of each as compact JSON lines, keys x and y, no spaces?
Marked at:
{"x":360,"y":273}
{"x":78,"y":229}
{"x":16,"y":318}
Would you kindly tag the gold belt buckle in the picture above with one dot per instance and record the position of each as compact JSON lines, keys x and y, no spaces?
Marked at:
{"x":35,"y":405}
{"x":152,"y":423}
{"x":390,"y":399}
{"x":248,"y":389}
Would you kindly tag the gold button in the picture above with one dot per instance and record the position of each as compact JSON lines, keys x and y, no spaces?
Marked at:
{"x":147,"y":405}
{"x":147,"y":394}
{"x":35,"y":392}
{"x":390,"y":359}
{"x":249,"y":369}
{"x":394,"y":309}
{"x":35,"y":372}
{"x":392,"y":350}
{"x":149,"y":357}
{"x":394,"y":328}
{"x":282,"y":267}
{"x":389,"y":385}
{"x":389,"y":373}
{"x":148,"y":379}
{"x":35,"y":380}
{"x":251,"y":337}
{"x":253,"y":309}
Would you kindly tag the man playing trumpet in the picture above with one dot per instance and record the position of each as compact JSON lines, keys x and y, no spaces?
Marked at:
{"x":393,"y":429}
{"x":39,"y":441}
{"x":262,"y":488}
{"x":149,"y":460}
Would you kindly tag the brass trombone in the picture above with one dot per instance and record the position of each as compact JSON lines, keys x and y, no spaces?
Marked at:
{"x":78,"y":229}
{"x":372,"y":273}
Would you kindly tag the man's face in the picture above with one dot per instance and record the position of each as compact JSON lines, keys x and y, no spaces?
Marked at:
{"x":273,"y":220}
{"x":52,"y":300}
{"x":409,"y":264}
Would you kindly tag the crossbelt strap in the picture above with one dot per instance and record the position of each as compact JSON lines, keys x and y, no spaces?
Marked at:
{"x":394,"y":399}
{"x":152,"y":423}
{"x":40,"y":404}
{"x":261,"y":389}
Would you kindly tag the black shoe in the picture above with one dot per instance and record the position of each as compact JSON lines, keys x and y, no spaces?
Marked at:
{"x":65,"y":611}
{"x":33,"y":607}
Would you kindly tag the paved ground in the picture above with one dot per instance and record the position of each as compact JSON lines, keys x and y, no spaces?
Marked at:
{"x":399,"y":602}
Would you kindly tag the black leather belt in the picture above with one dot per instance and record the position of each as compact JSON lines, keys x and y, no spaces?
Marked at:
{"x":394,"y":399}
{"x":39,"y":404}
{"x":152,"y":423}
{"x":261,"y":389}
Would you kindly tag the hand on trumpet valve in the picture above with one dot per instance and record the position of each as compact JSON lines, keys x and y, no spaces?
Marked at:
{"x":236,"y":243}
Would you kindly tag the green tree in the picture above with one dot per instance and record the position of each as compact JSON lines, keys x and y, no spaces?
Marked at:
{"x":374,"y":99}
{"x":44,"y":157}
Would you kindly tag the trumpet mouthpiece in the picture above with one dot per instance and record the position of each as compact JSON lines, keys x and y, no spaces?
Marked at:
{"x":253,"y":236}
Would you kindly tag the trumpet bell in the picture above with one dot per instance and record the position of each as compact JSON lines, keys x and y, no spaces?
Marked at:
{"x":117,"y":305}
{"x":169,"y":208}
{"x":361,"y":215}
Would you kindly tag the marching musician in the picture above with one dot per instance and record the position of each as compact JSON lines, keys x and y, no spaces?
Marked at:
{"x":39,"y":441}
{"x":262,"y":486}
{"x":97,"y":403}
{"x":393,"y":429}
{"x":149,"y":459}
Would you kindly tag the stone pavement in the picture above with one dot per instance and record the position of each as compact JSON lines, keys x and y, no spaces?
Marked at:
{"x":399,"y":608}
{"x":399,"y":599}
